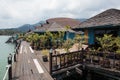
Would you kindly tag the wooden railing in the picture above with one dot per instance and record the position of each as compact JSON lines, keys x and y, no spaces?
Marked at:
{"x":11,"y":59}
{"x":64,"y":60}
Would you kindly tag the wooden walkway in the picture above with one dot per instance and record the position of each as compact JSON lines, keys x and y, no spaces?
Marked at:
{"x":29,"y":66}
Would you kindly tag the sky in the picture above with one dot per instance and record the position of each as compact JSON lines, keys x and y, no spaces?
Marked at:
{"x":14,"y":13}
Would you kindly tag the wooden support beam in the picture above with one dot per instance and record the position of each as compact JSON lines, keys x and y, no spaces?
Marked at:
{"x":79,"y":71}
{"x":50,"y":64}
{"x":65,"y":69}
{"x":60,"y":62}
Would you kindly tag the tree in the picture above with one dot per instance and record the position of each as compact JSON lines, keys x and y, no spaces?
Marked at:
{"x":67,"y":32}
{"x":67,"y":44}
{"x":117,"y":42}
{"x":54,"y":38}
{"x":50,"y":39}
{"x":106,"y":43}
{"x":33,"y":38}
{"x":79,"y":39}
{"x":60,"y":38}
{"x":43,"y":41}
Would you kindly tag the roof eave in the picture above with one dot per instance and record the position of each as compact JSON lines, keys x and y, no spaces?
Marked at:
{"x":100,"y":26}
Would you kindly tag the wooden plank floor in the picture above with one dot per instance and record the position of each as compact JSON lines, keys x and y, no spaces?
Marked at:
{"x":29,"y":66}
{"x":45,"y":64}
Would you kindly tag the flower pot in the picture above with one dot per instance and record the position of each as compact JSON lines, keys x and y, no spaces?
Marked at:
{"x":45,"y":58}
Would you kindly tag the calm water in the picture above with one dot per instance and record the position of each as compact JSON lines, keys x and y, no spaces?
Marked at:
{"x":5,"y":50}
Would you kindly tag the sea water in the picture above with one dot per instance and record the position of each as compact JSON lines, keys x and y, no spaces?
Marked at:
{"x":5,"y":50}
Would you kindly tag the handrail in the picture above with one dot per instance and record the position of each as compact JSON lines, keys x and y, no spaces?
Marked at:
{"x":8,"y":66}
{"x":13,"y":58}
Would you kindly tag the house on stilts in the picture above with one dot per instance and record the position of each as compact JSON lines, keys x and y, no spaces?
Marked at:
{"x":107,"y":22}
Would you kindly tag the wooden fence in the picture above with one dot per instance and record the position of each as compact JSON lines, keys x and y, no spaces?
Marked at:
{"x":65,"y":60}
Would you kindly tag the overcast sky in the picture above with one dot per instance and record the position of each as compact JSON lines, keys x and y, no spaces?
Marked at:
{"x":14,"y":13}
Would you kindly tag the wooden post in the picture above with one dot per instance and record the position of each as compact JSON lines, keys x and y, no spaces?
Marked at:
{"x":15,"y":43}
{"x":64,"y":60}
{"x":17,"y":50}
{"x":71,"y":59}
{"x":60,"y":61}
{"x":15,"y":57}
{"x":82,"y":55}
{"x":50,"y":63}
{"x":67,"y":59}
{"x":10,"y":69}
{"x":84,"y":73}
{"x":77,"y":57}
{"x":55,"y":58}
{"x":74,"y":55}
{"x":19,"y":43}
{"x":88,"y":75}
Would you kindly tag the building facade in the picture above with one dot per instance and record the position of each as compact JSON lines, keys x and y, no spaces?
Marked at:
{"x":107,"y":22}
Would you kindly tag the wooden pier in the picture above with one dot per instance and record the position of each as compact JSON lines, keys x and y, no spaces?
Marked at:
{"x":28,"y":65}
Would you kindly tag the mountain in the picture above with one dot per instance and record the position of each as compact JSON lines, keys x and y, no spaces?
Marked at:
{"x":27,"y":27}
{"x":39,"y":23}
{"x":10,"y":31}
{"x":82,"y":19}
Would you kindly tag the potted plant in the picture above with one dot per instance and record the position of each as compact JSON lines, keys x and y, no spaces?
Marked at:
{"x":45,"y":58}
{"x":45,"y":55}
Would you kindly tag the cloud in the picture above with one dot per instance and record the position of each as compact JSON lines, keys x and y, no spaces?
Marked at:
{"x":14,"y":13}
